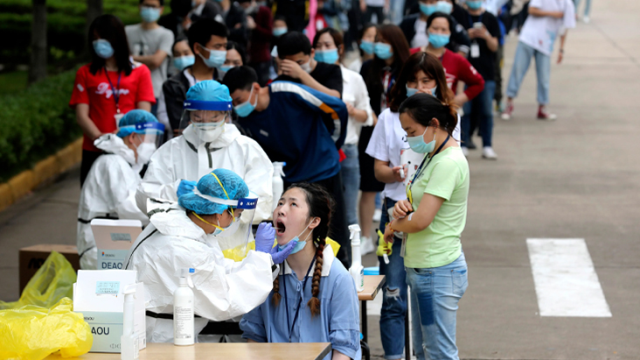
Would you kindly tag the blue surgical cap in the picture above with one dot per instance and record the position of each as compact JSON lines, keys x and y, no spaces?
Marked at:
{"x":233,"y":184}
{"x":128,"y":122}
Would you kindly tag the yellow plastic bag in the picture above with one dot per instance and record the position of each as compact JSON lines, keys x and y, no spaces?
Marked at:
{"x":236,"y":254}
{"x":53,"y":281}
{"x":34,"y":332}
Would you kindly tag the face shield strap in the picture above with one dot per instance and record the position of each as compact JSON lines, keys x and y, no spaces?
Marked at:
{"x":193,"y":105}
{"x":244,"y":203}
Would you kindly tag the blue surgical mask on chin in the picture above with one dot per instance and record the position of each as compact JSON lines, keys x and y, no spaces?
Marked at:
{"x":411,"y":91}
{"x":301,"y":243}
{"x":417,"y":144}
{"x":216,"y":58}
{"x":427,"y":10}
{"x":246,"y":108}
{"x":444,"y":6}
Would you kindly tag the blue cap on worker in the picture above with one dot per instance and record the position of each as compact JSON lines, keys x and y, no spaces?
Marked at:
{"x":138,"y":121}
{"x":208,"y":95}
{"x":220,"y":183}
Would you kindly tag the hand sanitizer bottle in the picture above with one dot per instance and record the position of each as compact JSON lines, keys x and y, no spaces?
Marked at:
{"x":183,"y":306}
{"x":129,"y":339}
{"x":356,"y":270}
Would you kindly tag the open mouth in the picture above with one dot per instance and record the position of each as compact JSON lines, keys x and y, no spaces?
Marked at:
{"x":280,"y":227}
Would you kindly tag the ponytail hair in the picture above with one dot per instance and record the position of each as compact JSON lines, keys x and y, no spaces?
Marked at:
{"x":423,"y":107}
{"x":320,"y":205}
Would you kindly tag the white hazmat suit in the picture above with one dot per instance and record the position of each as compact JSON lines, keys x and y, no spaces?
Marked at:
{"x":223,"y":289}
{"x":108,"y":193}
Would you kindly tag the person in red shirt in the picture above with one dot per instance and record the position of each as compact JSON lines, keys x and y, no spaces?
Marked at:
{"x":108,"y":87}
{"x":456,"y":67}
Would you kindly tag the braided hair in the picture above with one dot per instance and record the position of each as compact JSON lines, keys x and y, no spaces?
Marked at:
{"x":320,"y":205}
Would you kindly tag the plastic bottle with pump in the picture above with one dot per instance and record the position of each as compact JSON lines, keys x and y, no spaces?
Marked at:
{"x":183,"y":307}
{"x":129,"y":349}
{"x":277,"y":183}
{"x":356,"y":270}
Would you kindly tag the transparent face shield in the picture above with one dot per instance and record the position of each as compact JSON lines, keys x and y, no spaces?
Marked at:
{"x":206,"y":117}
{"x":146,"y":138}
{"x":234,"y":238}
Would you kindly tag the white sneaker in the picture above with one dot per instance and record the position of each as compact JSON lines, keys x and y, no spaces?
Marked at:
{"x":488,"y":153}
{"x":465,"y":151}
{"x":586,"y":19}
{"x":366,"y":245}
{"x":377,"y":215}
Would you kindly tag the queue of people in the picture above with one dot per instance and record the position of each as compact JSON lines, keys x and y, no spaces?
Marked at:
{"x":184,"y":114}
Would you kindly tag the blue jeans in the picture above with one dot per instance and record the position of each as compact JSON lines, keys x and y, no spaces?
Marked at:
{"x":350,"y":170}
{"x":396,"y":11}
{"x":587,"y":7}
{"x":480,"y":106}
{"x":394,"y":301}
{"x":521,"y":62}
{"x":435,"y":293}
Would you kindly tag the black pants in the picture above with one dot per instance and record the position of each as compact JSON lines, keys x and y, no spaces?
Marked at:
{"x":374,"y":10}
{"x":88,"y":157}
{"x":338,"y":229}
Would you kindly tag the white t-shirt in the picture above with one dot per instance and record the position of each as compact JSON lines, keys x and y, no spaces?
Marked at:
{"x":389,"y":143}
{"x":354,"y":92}
{"x":540,"y":32}
{"x":421,"y":38}
{"x":375,"y":3}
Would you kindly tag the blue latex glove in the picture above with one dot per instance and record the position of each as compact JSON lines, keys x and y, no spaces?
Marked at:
{"x":186,"y":187}
{"x":265,"y":236}
{"x":279,"y":256}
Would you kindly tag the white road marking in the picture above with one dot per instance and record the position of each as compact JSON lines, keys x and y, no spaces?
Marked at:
{"x":566,"y":282}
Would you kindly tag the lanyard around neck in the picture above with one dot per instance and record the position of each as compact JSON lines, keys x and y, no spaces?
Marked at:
{"x":114,"y":91}
{"x":286,"y":302}
{"x":421,"y":168}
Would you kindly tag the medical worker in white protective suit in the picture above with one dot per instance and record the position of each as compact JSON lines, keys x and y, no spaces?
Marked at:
{"x":176,"y":240}
{"x":209,"y":141}
{"x":110,"y":188}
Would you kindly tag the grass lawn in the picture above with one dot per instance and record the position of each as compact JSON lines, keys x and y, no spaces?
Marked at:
{"x":13,"y":82}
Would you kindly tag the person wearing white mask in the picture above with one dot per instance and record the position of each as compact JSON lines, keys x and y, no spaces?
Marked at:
{"x":298,"y":65}
{"x":208,"y":42}
{"x":110,"y":188}
{"x":151,"y":44}
{"x":235,"y":57}
{"x":208,"y":142}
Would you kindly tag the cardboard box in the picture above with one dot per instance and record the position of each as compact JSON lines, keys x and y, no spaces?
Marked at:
{"x":32,"y":258}
{"x":113,"y":240}
{"x":98,"y":295}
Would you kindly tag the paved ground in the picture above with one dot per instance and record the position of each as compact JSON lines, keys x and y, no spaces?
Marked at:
{"x":577,"y":177}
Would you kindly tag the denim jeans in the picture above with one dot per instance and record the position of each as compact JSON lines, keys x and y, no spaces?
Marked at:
{"x":481,"y":107}
{"x":435,"y":293}
{"x":394,"y":301}
{"x":587,"y":7}
{"x":396,"y":11}
{"x":350,"y":170}
{"x":521,"y":62}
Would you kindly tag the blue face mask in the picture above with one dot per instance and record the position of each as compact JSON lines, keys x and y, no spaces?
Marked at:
{"x":279,"y":31}
{"x":149,"y":14}
{"x":301,"y":243}
{"x":474,"y":4}
{"x":183,"y":62}
{"x":417,"y":144}
{"x":226,"y":68}
{"x":216,"y":58}
{"x":246,"y":108}
{"x":103,"y":48}
{"x":438,"y":40}
{"x":383,"y":51}
{"x":427,"y":9}
{"x":327,"y":56}
{"x":444,"y":7}
{"x":367,"y":47}
{"x":411,"y":91}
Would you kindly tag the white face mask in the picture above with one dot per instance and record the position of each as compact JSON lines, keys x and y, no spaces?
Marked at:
{"x":306,"y":67}
{"x":145,"y":150}
{"x":209,"y":132}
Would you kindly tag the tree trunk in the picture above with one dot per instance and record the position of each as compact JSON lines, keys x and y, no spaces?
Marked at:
{"x":38,"y":61}
{"x":94,"y":9}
